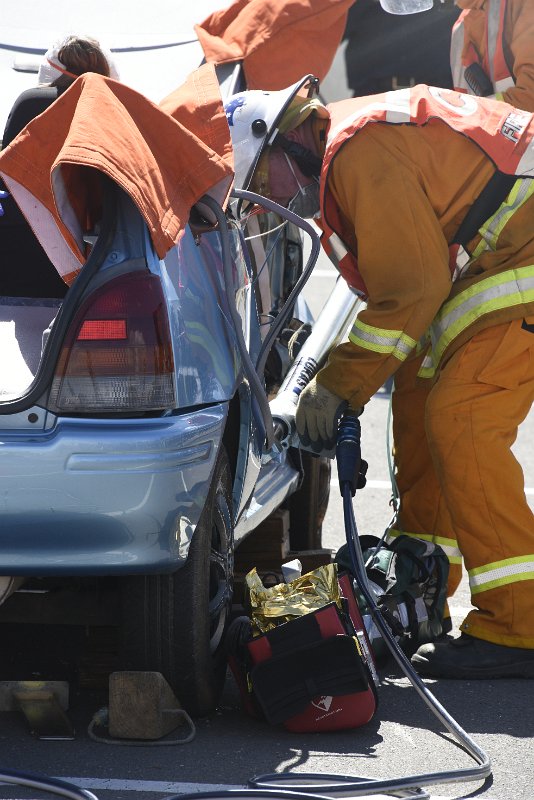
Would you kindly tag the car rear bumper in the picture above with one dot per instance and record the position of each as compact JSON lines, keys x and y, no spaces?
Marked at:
{"x":103,"y":497}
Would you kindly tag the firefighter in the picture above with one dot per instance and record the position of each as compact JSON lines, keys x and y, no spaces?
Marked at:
{"x":389,"y":208}
{"x":414,"y":48}
{"x":492,"y":52}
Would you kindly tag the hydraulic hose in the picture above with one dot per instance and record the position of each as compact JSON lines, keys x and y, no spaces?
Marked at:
{"x":319,"y":786}
{"x":348,"y":456}
{"x":281,"y":317}
{"x":50,"y":785}
{"x":249,"y":369}
{"x":255,"y":372}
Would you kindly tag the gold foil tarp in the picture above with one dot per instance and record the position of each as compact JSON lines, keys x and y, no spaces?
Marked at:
{"x":275,"y":605}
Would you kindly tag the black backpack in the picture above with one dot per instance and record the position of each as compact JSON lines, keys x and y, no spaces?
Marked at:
{"x":409,"y":577}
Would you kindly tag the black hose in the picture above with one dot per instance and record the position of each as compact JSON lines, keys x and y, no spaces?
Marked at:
{"x":256,"y":384}
{"x":50,"y":785}
{"x":314,"y":786}
{"x":281,"y":317}
{"x":255,"y":373}
{"x":348,"y":456}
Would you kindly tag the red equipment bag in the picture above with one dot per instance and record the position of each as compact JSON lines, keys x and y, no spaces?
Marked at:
{"x":314,"y":673}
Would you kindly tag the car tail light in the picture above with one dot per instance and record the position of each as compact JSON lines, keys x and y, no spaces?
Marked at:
{"x":117,"y":355}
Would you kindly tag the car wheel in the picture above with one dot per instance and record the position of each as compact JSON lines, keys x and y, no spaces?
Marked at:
{"x":307,"y":506}
{"x":175,"y":624}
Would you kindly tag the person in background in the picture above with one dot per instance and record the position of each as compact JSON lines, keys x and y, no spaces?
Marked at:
{"x":492,"y":50}
{"x":391,"y":212}
{"x":61,"y":65}
{"x":385,"y":51}
{"x":71,"y":57}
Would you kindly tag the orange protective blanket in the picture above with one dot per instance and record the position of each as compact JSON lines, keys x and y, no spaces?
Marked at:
{"x":165,"y":163}
{"x":278,"y":41}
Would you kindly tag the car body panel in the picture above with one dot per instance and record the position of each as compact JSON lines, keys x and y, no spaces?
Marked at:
{"x":205,"y":345}
{"x":86,"y":496}
{"x":104,"y":505}
{"x":83,"y":495}
{"x":203,"y":337}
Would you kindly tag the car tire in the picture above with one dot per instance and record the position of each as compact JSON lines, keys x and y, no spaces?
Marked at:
{"x":307,"y":506}
{"x":175,"y":624}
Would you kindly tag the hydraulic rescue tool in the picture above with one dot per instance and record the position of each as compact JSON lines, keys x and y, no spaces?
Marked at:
{"x":314,"y":786}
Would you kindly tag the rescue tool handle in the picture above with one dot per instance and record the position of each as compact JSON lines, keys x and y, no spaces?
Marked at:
{"x":351,"y":468}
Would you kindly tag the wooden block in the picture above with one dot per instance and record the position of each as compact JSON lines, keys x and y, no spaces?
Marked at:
{"x":267,"y":546}
{"x":270,"y":535}
{"x":142,"y":705}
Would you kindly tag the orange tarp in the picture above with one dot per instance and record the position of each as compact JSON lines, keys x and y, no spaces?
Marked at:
{"x":161,"y":161}
{"x":278,"y":41}
{"x":198,"y":107}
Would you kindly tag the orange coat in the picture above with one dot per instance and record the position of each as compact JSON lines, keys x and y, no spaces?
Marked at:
{"x":161,"y":161}
{"x":278,"y":41}
{"x":403,"y":202}
{"x":402,"y":192}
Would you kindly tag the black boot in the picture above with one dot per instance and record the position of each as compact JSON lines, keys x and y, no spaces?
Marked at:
{"x":470,"y":658}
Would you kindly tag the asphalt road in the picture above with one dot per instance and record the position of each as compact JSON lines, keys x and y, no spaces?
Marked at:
{"x":404,"y":737}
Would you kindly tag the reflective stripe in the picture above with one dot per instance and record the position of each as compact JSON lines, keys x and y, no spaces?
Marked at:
{"x":511,"y":288}
{"x":395,"y":109}
{"x":427,"y":368}
{"x":463,"y":259}
{"x":489,"y":294}
{"x":449,"y":546}
{"x":490,"y":231}
{"x":501,"y":573}
{"x":378,"y":108}
{"x":422,"y":344}
{"x":499,"y":72}
{"x":380,"y":340}
{"x":398,"y":105}
{"x":493,"y":34}
{"x":456,"y":48}
{"x":339,"y":251}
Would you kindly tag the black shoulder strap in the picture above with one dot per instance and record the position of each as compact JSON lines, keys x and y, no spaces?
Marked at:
{"x":488,"y":201}
{"x":308,"y":162}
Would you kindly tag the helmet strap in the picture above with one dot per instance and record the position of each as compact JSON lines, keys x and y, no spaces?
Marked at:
{"x":308,"y":162}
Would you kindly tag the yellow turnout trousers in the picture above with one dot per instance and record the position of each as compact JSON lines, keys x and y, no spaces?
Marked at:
{"x":459,"y":482}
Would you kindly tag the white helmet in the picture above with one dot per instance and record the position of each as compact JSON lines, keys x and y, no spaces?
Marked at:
{"x":253,"y":117}
{"x":406,"y":6}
